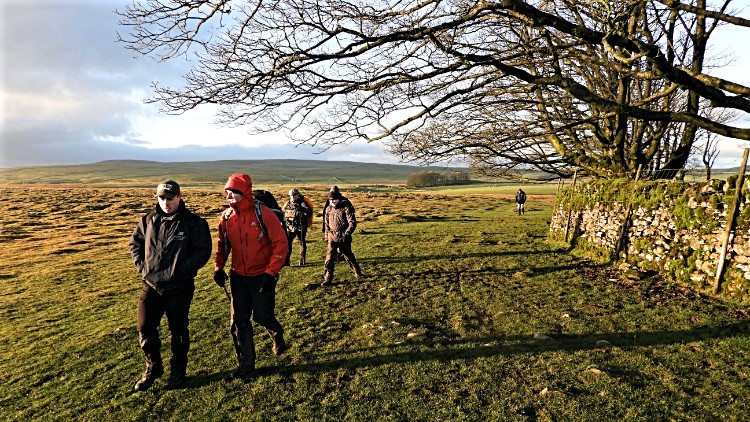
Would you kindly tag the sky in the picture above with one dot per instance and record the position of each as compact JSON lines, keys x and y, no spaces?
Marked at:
{"x":70,"y":94}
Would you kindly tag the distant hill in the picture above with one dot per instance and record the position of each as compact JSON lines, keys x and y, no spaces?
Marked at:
{"x":145,"y":173}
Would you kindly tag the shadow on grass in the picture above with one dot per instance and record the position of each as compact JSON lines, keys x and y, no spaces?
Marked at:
{"x":414,"y":259}
{"x":457,"y":274}
{"x":483,"y":347}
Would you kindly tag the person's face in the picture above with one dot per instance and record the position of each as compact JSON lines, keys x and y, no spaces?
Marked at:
{"x":294,"y":197}
{"x":233,"y":196}
{"x":335,"y":202}
{"x":169,"y":204}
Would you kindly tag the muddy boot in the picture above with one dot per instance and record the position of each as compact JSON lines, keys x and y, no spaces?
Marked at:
{"x":327,"y":279}
{"x":176,"y":377}
{"x":279,"y":345}
{"x":154,"y":369}
{"x":245,"y":347}
{"x":176,"y":380}
{"x":356,"y":269}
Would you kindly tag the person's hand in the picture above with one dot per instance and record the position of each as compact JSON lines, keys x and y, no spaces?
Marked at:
{"x":220,"y":277}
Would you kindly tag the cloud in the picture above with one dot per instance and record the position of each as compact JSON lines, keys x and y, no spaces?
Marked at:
{"x":65,"y":81}
{"x":71,"y":94}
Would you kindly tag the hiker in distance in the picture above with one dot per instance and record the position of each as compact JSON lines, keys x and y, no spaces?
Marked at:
{"x":256,"y":240}
{"x":520,"y":200}
{"x":169,"y":245}
{"x":298,"y":215}
{"x":339,"y":222}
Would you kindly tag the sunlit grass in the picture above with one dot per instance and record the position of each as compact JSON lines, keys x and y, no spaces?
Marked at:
{"x":464,"y":313}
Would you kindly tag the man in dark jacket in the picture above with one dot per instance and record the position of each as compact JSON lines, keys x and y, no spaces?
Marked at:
{"x":169,"y":245}
{"x":520,"y":201}
{"x":297,"y":214}
{"x":339,"y":222}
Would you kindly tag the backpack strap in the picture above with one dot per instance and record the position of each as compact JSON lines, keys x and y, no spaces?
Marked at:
{"x":226,"y":214}
{"x":259,"y":214}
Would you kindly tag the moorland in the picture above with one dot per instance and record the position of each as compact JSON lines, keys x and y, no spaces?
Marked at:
{"x":465,"y":312}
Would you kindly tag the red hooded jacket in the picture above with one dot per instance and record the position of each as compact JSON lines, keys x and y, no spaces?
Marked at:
{"x":252,"y":252}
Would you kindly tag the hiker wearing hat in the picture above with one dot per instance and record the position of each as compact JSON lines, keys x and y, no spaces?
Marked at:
{"x":298,"y":216}
{"x":254,"y":236}
{"x":339,"y":222}
{"x":338,"y":256}
{"x":169,"y":245}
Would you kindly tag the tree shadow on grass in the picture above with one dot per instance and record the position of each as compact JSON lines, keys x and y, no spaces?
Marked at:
{"x":457,"y":275}
{"x":484,"y":347}
{"x":450,"y":350}
{"x":390,"y":259}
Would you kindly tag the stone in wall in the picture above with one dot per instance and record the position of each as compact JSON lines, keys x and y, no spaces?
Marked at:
{"x":656,"y":233}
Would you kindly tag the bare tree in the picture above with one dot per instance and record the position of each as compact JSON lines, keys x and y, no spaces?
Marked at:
{"x":707,"y":143}
{"x":549,"y":85}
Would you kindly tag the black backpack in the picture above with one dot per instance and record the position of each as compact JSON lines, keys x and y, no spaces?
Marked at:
{"x":266,"y":198}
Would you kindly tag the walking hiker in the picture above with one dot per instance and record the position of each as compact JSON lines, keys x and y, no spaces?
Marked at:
{"x":339,"y":222}
{"x":338,"y":255}
{"x":254,"y":236}
{"x":169,"y":245}
{"x":298,"y":215}
{"x":520,"y":200}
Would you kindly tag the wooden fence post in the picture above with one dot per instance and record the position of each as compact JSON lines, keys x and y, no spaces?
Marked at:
{"x":628,"y":211}
{"x":570,"y":211}
{"x":731,"y":221}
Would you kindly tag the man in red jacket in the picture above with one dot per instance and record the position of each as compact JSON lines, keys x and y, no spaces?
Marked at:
{"x":258,"y":248}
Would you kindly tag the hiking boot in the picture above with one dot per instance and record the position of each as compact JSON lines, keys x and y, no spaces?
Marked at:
{"x":175,"y":381}
{"x":148,"y":378}
{"x":357,"y":270}
{"x":279,"y":346}
{"x":242,"y":371}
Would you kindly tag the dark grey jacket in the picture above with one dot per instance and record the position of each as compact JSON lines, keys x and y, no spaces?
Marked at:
{"x":168,"y":250}
{"x":340,"y":221}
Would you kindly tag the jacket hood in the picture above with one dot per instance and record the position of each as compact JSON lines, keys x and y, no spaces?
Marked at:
{"x":242,"y":183}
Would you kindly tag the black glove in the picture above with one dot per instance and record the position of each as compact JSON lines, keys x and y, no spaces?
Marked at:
{"x":220,"y":277}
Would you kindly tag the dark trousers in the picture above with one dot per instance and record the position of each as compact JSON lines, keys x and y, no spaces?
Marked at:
{"x":302,"y":235}
{"x":151,"y":308}
{"x":252,"y":297}
{"x":345,"y":249}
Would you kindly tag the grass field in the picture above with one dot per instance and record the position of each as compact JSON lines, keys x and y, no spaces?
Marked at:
{"x":133,"y":173}
{"x":465,"y":313}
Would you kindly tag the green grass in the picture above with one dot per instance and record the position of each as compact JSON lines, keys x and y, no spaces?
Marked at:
{"x":464,"y":313}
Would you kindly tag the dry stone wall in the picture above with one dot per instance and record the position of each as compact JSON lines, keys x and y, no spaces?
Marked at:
{"x":680,"y":236}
